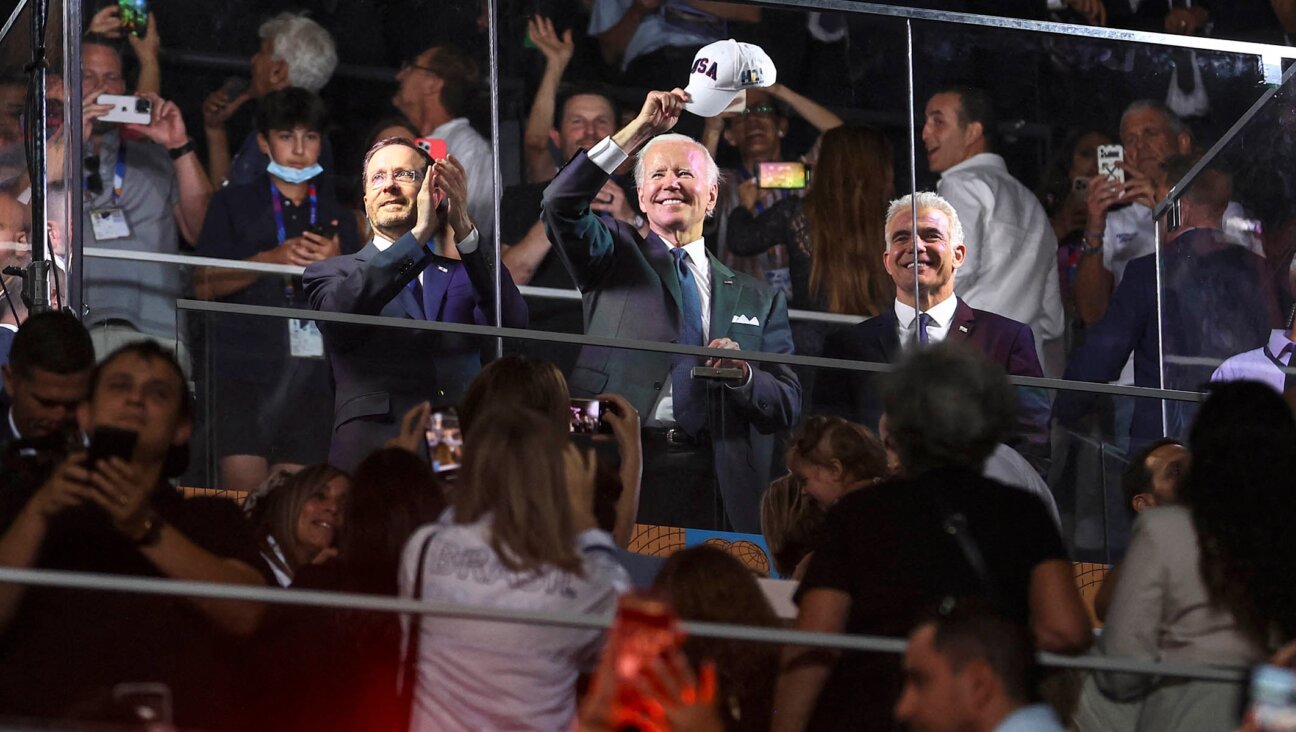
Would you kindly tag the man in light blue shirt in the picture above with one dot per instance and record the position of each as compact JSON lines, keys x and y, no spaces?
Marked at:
{"x":1267,"y":364}
{"x":971,"y":672}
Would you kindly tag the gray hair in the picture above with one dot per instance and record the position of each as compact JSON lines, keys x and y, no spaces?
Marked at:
{"x":1176,"y":125}
{"x":305,"y":46}
{"x":712,"y":170}
{"x":926,"y":200}
{"x":947,"y":407}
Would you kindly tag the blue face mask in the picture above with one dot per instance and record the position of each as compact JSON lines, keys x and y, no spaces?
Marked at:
{"x":293,"y":175}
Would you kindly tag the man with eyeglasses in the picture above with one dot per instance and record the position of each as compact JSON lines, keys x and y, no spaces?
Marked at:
{"x":435,"y":89}
{"x":137,"y":193}
{"x":425,"y":263}
{"x":758,"y":133}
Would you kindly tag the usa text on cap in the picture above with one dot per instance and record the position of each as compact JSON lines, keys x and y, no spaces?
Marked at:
{"x":722,"y":70}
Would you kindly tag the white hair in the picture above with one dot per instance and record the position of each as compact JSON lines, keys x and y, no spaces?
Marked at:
{"x":305,"y":46}
{"x":712,"y":170}
{"x":926,"y":200}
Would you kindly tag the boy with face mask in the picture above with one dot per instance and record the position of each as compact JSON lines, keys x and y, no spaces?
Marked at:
{"x":269,"y":374}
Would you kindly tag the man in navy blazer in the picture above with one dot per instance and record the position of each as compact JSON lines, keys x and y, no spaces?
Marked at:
{"x":1003,"y":341}
{"x":667,"y":287}
{"x":1216,"y":302}
{"x":408,"y":271}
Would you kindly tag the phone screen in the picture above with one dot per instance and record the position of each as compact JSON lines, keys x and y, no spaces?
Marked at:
{"x":1273,"y":698}
{"x":134,"y":16}
{"x":781,"y":175}
{"x":444,"y":440}
{"x":587,"y":417}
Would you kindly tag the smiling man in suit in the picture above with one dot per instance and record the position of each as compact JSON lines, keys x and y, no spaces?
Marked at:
{"x":936,"y":315}
{"x":700,"y":435}
{"x":424,"y":263}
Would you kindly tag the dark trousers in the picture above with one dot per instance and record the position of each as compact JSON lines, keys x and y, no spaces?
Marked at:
{"x":679,"y":484}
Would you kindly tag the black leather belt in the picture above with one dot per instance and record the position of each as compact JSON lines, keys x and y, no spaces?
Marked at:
{"x":676,"y":438}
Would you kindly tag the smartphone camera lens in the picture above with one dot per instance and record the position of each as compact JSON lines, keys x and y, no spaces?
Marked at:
{"x":143,"y":106}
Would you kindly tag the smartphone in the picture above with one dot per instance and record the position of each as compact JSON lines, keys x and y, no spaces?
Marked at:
{"x":587,"y":417}
{"x":234,"y":86}
{"x":1273,"y":698}
{"x":325,"y":229}
{"x":1109,"y":159}
{"x":110,"y":442}
{"x":435,"y":148}
{"x":718,"y":374}
{"x":134,"y":16}
{"x":645,"y":629}
{"x":146,"y":702}
{"x":444,"y":440}
{"x":1080,"y":185}
{"x":126,"y":109}
{"x":787,"y":176}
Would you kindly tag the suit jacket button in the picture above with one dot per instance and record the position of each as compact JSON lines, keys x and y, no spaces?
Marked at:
{"x":440,"y":392}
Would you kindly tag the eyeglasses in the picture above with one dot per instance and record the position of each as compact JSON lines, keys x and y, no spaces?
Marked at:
{"x":414,"y":65}
{"x":765,"y":110}
{"x":382,"y":179}
{"x":93,"y":181}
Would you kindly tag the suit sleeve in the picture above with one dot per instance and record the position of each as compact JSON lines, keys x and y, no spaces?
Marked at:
{"x":773,"y":402}
{"x":1108,"y":345}
{"x":483,"y":281}
{"x":1032,"y":434}
{"x":582,"y":240}
{"x":365,"y":289}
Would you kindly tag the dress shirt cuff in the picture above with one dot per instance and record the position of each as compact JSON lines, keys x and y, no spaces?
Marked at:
{"x":469,"y":244}
{"x":745,"y":388}
{"x":607,"y":155}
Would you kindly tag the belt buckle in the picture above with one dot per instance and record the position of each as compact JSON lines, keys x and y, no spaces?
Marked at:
{"x":676,"y":437}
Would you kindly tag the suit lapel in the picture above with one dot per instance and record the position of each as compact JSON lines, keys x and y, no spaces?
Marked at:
{"x":664,"y":264}
{"x":436,"y":280}
{"x":963,"y":325}
{"x":725,"y":293}
{"x":888,"y":335}
{"x":404,"y":300}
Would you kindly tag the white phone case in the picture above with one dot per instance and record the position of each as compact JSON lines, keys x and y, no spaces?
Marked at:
{"x":127,"y":109}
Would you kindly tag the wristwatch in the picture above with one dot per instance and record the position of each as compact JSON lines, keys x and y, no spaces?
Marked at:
{"x":1086,"y":248}
{"x":178,"y":152}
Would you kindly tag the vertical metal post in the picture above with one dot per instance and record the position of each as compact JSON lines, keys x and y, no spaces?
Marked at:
{"x":72,"y":232}
{"x":492,"y":9}
{"x":36,"y":288}
{"x":913,"y":168}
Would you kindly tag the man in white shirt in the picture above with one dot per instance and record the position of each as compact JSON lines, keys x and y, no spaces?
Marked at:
{"x":667,"y":287}
{"x":435,"y":89}
{"x":1011,"y":266}
{"x":1268,"y":364}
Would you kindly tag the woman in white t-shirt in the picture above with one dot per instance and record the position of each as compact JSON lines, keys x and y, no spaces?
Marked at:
{"x":520,"y":534}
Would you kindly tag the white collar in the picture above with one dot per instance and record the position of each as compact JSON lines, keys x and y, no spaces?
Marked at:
{"x":446,"y":127}
{"x":382,"y":242}
{"x":980,"y":160}
{"x":942,"y":313}
{"x":695,"y":249}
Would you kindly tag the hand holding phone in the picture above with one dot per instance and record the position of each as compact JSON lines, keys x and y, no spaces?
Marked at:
{"x":587,"y":416}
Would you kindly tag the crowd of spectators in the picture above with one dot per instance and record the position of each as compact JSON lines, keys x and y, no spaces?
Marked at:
{"x":937,"y":502}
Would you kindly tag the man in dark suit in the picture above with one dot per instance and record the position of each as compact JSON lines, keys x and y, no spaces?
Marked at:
{"x":943,"y":316}
{"x":1215,"y":302}
{"x":668,"y":287}
{"x":425,"y":263}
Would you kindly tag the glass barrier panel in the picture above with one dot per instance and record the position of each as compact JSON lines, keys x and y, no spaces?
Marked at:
{"x":1225,"y":260}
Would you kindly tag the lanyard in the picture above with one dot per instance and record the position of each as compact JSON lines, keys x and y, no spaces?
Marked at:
{"x":276,"y":201}
{"x":119,"y":173}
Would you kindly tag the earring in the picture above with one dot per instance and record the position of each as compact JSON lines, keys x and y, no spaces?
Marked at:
{"x":781,"y":133}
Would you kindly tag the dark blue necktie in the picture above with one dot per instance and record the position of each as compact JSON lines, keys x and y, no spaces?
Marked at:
{"x":686,"y":393}
{"x":924,"y":320}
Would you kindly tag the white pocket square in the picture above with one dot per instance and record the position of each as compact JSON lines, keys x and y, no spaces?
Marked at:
{"x":745,"y":320}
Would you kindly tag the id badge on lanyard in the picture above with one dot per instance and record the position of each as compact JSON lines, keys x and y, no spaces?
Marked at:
{"x":110,"y":223}
{"x":304,"y":337}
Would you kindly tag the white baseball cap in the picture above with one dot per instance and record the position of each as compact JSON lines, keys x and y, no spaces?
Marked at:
{"x":722,"y":71}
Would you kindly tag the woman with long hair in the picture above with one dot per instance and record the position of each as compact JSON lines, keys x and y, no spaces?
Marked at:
{"x":520,"y":534}
{"x":835,"y":233}
{"x":297,"y":519}
{"x":706,"y":584}
{"x":1205,"y":581}
{"x":329,"y":669}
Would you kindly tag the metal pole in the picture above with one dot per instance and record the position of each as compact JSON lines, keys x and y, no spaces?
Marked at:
{"x":36,"y":286}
